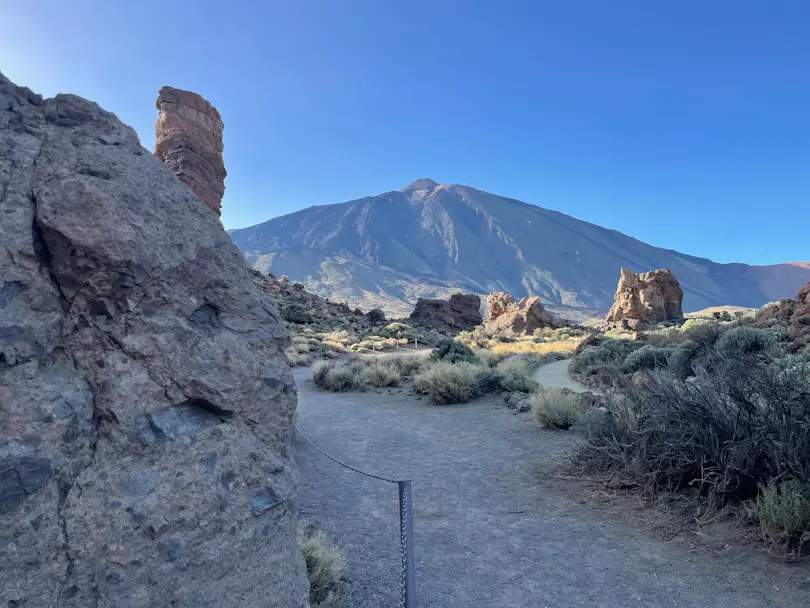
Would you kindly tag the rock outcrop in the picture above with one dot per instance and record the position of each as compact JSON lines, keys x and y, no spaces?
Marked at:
{"x":793,"y":315}
{"x":188,"y":138}
{"x":645,"y":299}
{"x":145,"y":405}
{"x":506,"y":315}
{"x":462,"y":312}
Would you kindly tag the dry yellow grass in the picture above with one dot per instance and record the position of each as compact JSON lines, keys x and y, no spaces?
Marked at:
{"x":528,"y":347}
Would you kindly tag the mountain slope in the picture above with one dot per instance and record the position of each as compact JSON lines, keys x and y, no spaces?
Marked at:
{"x":431,"y":239}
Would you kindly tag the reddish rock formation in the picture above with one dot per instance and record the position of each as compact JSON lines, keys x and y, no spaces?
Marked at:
{"x":505,"y":315}
{"x":462,"y":312}
{"x":794,"y":315}
{"x":188,"y":138}
{"x":644,"y":299}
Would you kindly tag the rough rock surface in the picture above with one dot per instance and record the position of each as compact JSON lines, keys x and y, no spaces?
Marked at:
{"x":506,"y":315}
{"x":462,"y":312}
{"x":794,"y":315}
{"x":644,"y":299}
{"x":188,"y":138}
{"x":145,"y":406}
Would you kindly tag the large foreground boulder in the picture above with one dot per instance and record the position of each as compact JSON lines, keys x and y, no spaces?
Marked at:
{"x":188,"y":138}
{"x":645,"y":299}
{"x":462,"y":312}
{"x":145,"y":406}
{"x":504,"y":315}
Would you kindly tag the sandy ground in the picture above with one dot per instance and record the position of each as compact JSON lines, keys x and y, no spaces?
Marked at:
{"x":494,"y":528}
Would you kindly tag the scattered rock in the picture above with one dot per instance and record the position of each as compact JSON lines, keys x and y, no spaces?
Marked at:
{"x":140,"y":369}
{"x":519,"y":402}
{"x":188,"y":138}
{"x":462,"y":312}
{"x":506,"y":315}
{"x":646,"y":299}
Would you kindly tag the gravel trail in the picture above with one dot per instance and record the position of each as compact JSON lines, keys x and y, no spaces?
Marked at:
{"x":491,"y":531}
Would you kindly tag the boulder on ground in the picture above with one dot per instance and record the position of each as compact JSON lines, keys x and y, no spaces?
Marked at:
{"x":506,"y":315}
{"x":145,"y":404}
{"x":646,"y":299}
{"x":462,"y":312}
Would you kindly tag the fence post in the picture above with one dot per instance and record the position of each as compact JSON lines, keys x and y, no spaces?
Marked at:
{"x":406,"y":530}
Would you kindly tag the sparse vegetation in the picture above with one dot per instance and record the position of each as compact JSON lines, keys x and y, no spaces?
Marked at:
{"x":556,"y":408}
{"x":445,"y":382}
{"x":325,"y":566}
{"x":453,"y":351}
{"x":783,"y":510}
{"x":364,"y":374}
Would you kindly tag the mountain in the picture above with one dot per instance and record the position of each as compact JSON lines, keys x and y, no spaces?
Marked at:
{"x":431,"y":240}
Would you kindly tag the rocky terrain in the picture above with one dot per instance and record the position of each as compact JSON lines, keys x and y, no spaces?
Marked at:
{"x":431,"y":240}
{"x":461,"y":312}
{"x":793,"y":316}
{"x":646,"y":299}
{"x":145,"y":406}
{"x":188,"y":138}
{"x":523,"y":317}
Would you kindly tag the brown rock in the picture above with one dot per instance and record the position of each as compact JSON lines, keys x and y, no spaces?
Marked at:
{"x":188,"y":138}
{"x":506,"y":315}
{"x":644,"y":299}
{"x":793,"y":315}
{"x":145,"y":404}
{"x":462,"y":312}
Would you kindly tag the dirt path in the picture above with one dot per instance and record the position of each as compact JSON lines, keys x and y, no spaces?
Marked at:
{"x":555,"y":375}
{"x":491,"y":531}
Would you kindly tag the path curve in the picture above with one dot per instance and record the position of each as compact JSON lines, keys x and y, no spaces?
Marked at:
{"x":491,"y":531}
{"x":555,"y":375}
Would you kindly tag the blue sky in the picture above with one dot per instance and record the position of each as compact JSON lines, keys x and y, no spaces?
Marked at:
{"x":684,"y":124}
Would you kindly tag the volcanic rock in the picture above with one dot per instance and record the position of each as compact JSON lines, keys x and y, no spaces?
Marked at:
{"x":645,"y":299}
{"x":145,"y":405}
{"x":506,"y":315}
{"x":462,"y":312}
{"x":188,"y":138}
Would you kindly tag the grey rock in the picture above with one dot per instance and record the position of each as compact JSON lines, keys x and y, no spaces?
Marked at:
{"x":145,"y":405}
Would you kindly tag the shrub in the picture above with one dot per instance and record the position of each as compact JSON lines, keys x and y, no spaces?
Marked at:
{"x":320,"y":371}
{"x":325,"y":565}
{"x":542,"y":332}
{"x":340,"y":379}
{"x":726,"y":433}
{"x":680,"y":361}
{"x":379,"y":374}
{"x":488,"y":380}
{"x":445,"y":382}
{"x":609,"y":352}
{"x":302,"y":348}
{"x":513,"y":382}
{"x":397,"y":330}
{"x":518,"y":366}
{"x":647,"y":357}
{"x":375,"y":315}
{"x":453,"y":351}
{"x":783,"y":510}
{"x":295,"y":313}
{"x":746,"y":340}
{"x":556,"y":408}
{"x":406,"y":365}
{"x":532,"y":348}
{"x":488,"y":358}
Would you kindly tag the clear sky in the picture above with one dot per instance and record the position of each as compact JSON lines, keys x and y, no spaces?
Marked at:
{"x":685,"y":124}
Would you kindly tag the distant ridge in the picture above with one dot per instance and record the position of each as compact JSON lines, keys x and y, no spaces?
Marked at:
{"x":429,"y":239}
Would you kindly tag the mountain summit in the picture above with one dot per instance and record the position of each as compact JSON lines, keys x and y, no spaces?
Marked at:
{"x":431,"y":240}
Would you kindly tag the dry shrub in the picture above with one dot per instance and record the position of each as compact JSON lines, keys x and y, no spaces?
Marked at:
{"x":295,"y":358}
{"x":325,"y":565}
{"x":783,"y":510}
{"x":517,"y":382}
{"x":362,"y":374}
{"x":556,"y":408}
{"x":446,"y":382}
{"x":516,"y":366}
{"x":529,"y":347}
{"x":488,"y":358}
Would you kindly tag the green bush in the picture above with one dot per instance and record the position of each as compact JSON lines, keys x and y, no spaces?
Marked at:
{"x":556,"y":408}
{"x":397,"y":330}
{"x":680,"y":361}
{"x":488,"y":381}
{"x":647,"y":357}
{"x":453,"y":351}
{"x":783,"y":510}
{"x":609,"y":352}
{"x":445,"y":382}
{"x":746,"y":340}
{"x":516,"y":382}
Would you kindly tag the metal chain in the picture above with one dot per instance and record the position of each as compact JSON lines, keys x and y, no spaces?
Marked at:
{"x":343,"y":464}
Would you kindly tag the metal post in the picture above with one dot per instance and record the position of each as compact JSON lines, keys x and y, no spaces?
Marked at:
{"x":406,"y":533}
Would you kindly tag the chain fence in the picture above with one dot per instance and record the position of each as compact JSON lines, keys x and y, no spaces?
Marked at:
{"x":407,"y":577}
